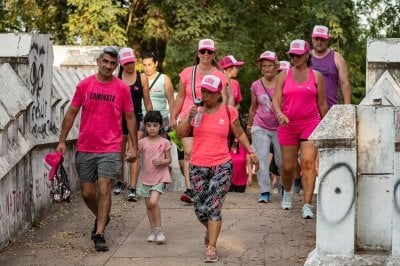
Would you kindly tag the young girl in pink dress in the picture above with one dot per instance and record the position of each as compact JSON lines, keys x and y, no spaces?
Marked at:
{"x":155,"y":152}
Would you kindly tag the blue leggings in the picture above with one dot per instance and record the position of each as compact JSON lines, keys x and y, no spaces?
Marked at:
{"x":210,"y":185}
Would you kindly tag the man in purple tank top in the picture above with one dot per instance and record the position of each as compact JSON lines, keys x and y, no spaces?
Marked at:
{"x":332,"y":66}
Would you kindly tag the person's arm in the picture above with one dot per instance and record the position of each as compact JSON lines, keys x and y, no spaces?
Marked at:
{"x":163,"y":161}
{"x":180,"y":97}
{"x":184,"y":128}
{"x":252,"y":112}
{"x":343,"y":78}
{"x":130,"y":119}
{"x":67,"y":123}
{"x":238,"y":132}
{"x":321,"y":97}
{"x":169,"y":94}
{"x":249,"y":170}
{"x":146,"y":93}
{"x":277,"y":99}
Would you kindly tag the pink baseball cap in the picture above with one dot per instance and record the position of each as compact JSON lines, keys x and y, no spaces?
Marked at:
{"x":228,"y":61}
{"x":52,"y":161}
{"x":284,"y":65}
{"x":126,"y":55}
{"x":321,"y":32}
{"x":211,"y":83}
{"x":268,"y":55}
{"x":299,"y":47}
{"x":207,"y":44}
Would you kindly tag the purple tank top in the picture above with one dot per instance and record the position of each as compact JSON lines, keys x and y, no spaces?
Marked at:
{"x":327,"y":67}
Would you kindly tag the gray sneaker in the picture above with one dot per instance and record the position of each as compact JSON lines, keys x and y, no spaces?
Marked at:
{"x":287,"y":200}
{"x":132,"y":195}
{"x":307,"y":211}
{"x":160,"y":236}
{"x":152,"y":235}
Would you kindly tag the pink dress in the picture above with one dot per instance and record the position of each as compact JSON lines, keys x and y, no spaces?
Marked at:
{"x":151,"y":174}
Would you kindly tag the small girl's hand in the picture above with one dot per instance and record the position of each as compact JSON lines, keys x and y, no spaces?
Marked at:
{"x":249,"y":181}
{"x":157,"y":162}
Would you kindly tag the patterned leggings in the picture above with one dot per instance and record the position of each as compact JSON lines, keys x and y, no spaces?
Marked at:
{"x":210,"y":185}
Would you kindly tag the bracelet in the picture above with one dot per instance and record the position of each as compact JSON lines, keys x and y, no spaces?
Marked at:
{"x":250,"y":151}
{"x":252,"y":155}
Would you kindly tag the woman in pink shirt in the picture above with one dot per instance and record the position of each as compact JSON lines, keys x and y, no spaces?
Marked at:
{"x":231,"y":67}
{"x":210,"y":162}
{"x":300,"y":104}
{"x":188,"y":90}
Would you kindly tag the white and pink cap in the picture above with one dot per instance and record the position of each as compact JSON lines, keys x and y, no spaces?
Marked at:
{"x":211,"y":83}
{"x":268,"y":55}
{"x":228,"y":61}
{"x":283,"y":65}
{"x":299,"y":47}
{"x":207,"y":44}
{"x":320,"y":31}
{"x":126,"y":55}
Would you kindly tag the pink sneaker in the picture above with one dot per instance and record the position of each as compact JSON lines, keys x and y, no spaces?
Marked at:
{"x":211,"y":254}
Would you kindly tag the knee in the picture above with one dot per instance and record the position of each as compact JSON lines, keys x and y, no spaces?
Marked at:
{"x":151,"y":205}
{"x":307,"y":165}
{"x":88,"y":193}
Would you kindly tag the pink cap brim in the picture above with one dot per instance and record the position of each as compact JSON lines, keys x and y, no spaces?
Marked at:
{"x":211,"y":88}
{"x":207,"y":48}
{"x":297,"y":52}
{"x":238,"y":63}
{"x":323,"y":36}
{"x":127,"y":60}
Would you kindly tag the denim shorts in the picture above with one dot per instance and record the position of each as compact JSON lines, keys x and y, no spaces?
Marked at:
{"x":145,"y":191}
{"x":91,"y":166}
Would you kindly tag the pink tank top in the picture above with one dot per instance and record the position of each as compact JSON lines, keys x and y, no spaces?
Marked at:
{"x":299,"y":100}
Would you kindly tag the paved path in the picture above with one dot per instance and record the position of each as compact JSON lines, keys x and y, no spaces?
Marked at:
{"x":252,"y":234}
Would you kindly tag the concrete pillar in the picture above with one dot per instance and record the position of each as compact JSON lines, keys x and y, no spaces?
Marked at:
{"x":335,"y":138}
{"x":396,"y":189}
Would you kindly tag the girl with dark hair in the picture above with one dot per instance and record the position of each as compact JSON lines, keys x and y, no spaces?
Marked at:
{"x":155,"y":153}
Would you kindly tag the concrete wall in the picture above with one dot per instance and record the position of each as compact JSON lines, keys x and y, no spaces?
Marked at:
{"x":32,"y":104}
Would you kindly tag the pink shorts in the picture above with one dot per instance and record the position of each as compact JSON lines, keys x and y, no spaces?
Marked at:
{"x":291,"y":135}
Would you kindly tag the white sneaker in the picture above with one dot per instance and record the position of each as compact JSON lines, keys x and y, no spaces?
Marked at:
{"x":287,"y":200}
{"x":160,"y":236}
{"x":307,"y":212}
{"x":152,"y":235}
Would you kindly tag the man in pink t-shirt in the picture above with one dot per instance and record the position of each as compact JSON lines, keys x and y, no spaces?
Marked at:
{"x":104,"y":99}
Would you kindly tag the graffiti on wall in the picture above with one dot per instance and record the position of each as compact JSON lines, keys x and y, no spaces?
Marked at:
{"x":40,"y":75}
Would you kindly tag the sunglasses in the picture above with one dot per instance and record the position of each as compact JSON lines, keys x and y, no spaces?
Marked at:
{"x":296,"y":55}
{"x":203,"y":51}
{"x":111,"y":51}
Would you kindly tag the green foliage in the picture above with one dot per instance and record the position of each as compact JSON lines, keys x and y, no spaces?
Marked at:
{"x":95,"y":23}
{"x":244,"y":28}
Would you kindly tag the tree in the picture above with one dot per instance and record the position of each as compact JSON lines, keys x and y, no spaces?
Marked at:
{"x":95,"y":23}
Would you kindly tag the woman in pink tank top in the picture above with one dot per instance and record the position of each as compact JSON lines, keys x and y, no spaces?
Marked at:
{"x":299,"y":102}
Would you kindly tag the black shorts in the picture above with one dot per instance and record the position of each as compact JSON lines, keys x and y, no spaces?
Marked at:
{"x":181,"y":155}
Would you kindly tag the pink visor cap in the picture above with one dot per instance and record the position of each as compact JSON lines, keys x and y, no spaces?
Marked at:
{"x":126,"y":55}
{"x":211,"y":83}
{"x":284,"y":65}
{"x":228,"y":61}
{"x":268,"y":55}
{"x":207,"y":44}
{"x":321,"y":32}
{"x":299,"y":47}
{"x":52,"y":161}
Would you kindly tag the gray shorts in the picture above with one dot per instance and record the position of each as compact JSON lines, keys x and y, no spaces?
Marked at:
{"x":91,"y":166}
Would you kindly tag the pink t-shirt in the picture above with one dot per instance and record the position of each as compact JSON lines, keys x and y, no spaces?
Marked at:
{"x":103,"y":105}
{"x":237,"y":94}
{"x":151,"y":174}
{"x":186,"y":78}
{"x":265,"y":115}
{"x":210,"y":139}
{"x":239,"y":174}
{"x":299,"y":100}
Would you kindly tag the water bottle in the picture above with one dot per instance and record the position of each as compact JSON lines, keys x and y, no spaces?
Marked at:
{"x":199,"y":113}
